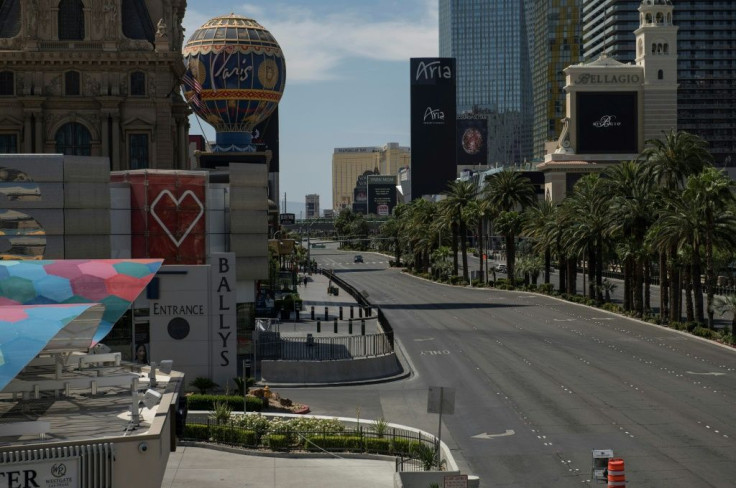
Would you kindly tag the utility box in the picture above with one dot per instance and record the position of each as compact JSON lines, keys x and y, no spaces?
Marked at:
{"x":599,"y":471}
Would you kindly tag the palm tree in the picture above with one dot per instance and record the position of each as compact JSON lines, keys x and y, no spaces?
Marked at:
{"x":727,"y":304}
{"x":475,"y":214}
{"x":539,"y":225}
{"x":629,"y":189}
{"x":670,"y":161}
{"x":710,"y":192}
{"x":590,"y":205}
{"x":458,"y":196}
{"x":509,"y":190}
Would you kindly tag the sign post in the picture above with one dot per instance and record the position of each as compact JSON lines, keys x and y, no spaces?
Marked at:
{"x":440,"y":399}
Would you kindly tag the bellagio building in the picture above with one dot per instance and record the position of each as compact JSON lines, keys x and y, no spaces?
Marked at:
{"x":348,"y":163}
{"x":94,"y":78}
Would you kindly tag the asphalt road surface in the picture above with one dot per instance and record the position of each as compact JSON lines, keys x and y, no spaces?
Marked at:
{"x":539,"y":383}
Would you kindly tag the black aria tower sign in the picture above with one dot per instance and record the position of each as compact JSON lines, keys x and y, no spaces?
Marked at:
{"x":432,"y":118}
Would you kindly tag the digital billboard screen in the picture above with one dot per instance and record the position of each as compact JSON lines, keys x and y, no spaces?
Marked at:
{"x":381,"y":195}
{"x":607,"y":122}
{"x":472,"y":141}
{"x":432,"y":118}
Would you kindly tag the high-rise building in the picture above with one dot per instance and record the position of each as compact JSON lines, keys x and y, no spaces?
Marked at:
{"x":490,"y":41}
{"x":557,"y":43}
{"x":94,"y":79}
{"x":311,"y":206}
{"x":348,"y":163}
{"x":706,"y":66}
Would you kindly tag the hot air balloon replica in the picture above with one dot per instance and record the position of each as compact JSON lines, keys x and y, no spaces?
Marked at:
{"x":234,"y":79}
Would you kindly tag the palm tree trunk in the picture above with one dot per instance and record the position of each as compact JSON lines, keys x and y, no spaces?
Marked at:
{"x":455,"y":265}
{"x":481,"y":250}
{"x":710,"y":275}
{"x":547,"y":263}
{"x":591,"y":270}
{"x":599,"y":270}
{"x":464,"y":249}
{"x":697,"y":286}
{"x":562,"y":278}
{"x":647,"y":287}
{"x":664,"y":300}
{"x":397,"y":245}
{"x":511,"y":257}
{"x":572,"y":275}
{"x":627,"y":284}
{"x":676,"y":292}
{"x":638,"y":288}
{"x":689,"y":309}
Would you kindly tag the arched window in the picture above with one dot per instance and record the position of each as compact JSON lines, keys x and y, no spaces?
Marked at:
{"x":7,"y":83}
{"x":654,"y":48}
{"x":660,"y":17}
{"x":72,"y":83}
{"x":649,"y":18}
{"x":9,"y":18}
{"x":666,"y":48}
{"x":73,"y":139}
{"x":138,"y":83}
{"x":660,"y":75}
{"x":71,"y":20}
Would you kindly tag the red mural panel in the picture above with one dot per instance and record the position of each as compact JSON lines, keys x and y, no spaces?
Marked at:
{"x":168,"y":215}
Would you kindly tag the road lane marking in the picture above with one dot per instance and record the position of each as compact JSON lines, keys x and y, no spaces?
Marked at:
{"x":714,"y":373}
{"x":493,"y":436}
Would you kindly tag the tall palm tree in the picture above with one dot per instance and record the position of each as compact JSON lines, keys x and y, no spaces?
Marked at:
{"x":539,"y":225}
{"x":590,"y":205}
{"x":710,"y":193}
{"x":629,"y":189}
{"x":476,"y":213}
{"x":506,"y":191}
{"x":671,"y":160}
{"x":458,"y":196}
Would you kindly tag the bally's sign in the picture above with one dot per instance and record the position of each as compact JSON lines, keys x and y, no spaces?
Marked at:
{"x":223,"y":340}
{"x":610,"y":79}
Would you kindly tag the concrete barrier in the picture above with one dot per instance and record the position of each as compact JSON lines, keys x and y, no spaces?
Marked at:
{"x":339,"y":371}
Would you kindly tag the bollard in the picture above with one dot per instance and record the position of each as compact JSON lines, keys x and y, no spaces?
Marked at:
{"x":319,"y":326}
{"x":312,"y":312}
{"x":351,"y":311}
{"x":350,"y":326}
{"x":362,"y":327}
{"x":340,"y":312}
{"x":335,"y":326}
{"x":360,"y":312}
{"x":326,"y":317}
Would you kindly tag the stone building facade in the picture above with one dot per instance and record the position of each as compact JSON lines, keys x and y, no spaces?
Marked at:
{"x":94,"y":78}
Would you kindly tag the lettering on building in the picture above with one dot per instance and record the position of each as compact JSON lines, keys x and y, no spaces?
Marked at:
{"x":432,"y":70}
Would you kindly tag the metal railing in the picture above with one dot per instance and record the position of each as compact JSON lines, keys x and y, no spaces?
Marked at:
{"x":324,"y":348}
{"x":410,"y":447}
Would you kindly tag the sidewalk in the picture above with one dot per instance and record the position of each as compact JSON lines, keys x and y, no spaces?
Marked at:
{"x":195,"y":467}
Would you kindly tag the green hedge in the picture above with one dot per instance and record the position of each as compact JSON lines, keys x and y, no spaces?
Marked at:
{"x":276,"y":442}
{"x":335,"y":442}
{"x":207,"y":402}
{"x":220,"y":433}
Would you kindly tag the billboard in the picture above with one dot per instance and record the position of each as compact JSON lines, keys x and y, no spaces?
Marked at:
{"x":607,"y":122}
{"x":167,"y":214}
{"x":472,"y":140}
{"x":381,"y":195}
{"x":432,"y":118}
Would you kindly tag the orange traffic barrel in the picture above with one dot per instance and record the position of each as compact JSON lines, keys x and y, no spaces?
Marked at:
{"x":616,"y":476}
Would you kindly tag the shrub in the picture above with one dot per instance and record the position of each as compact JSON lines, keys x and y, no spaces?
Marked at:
{"x":226,"y":434}
{"x":253,"y":422}
{"x":276,"y":441}
{"x":707,"y":333}
{"x":221,"y":411}
{"x":196,"y":431}
{"x":547,"y":288}
{"x":377,"y":445}
{"x":379,"y":427}
{"x":335,"y":442}
{"x":207,"y":402}
{"x":203,"y":384}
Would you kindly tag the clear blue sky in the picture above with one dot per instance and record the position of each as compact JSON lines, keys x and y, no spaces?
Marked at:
{"x":347,"y":77}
